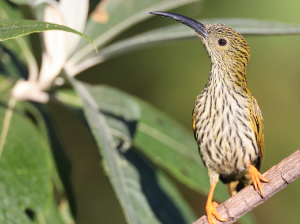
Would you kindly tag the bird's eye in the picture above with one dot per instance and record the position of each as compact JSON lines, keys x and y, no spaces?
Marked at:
{"x":222,"y":42}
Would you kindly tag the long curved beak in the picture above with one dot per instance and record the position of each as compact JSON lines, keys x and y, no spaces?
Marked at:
{"x":195,"y":25}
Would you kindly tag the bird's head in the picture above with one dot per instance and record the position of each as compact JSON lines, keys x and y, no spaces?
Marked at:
{"x":222,"y":43}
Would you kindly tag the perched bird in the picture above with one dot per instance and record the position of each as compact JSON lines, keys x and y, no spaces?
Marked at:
{"x":227,"y":121}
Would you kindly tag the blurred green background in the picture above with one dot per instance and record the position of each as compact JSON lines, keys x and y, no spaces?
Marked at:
{"x":170,"y":76}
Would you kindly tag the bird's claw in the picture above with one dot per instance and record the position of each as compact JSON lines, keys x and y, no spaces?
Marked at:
{"x":211,"y":211}
{"x":256,"y":177}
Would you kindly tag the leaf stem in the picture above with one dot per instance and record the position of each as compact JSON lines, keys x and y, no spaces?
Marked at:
{"x":41,"y":218}
{"x":6,"y":122}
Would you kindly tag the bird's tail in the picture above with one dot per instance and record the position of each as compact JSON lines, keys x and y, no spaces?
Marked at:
{"x":235,"y":186}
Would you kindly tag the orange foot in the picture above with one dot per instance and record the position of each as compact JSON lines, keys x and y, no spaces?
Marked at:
{"x":211,"y":210}
{"x":256,"y":177}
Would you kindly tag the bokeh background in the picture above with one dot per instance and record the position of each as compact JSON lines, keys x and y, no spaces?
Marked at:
{"x":170,"y":76}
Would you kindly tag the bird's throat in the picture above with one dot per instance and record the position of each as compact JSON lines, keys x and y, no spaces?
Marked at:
{"x":229,"y":76}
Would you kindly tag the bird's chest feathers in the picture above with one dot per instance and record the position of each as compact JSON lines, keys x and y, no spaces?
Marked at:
{"x":226,"y":105}
{"x":224,"y":132}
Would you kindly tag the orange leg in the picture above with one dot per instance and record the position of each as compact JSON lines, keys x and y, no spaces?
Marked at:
{"x":211,"y":207}
{"x":256,"y":177}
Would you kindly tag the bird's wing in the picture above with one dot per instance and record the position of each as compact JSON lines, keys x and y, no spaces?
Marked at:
{"x":258,"y":128}
{"x":194,"y":121}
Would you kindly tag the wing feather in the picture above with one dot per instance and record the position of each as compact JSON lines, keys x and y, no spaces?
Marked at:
{"x":194,"y":121}
{"x":258,"y":128}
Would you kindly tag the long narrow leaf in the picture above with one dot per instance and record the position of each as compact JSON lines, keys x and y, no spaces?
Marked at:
{"x":159,"y":192}
{"x":20,"y":47}
{"x":25,"y":171}
{"x":123,"y":176}
{"x":10,"y":29}
{"x":162,"y":195}
{"x":180,"y":32}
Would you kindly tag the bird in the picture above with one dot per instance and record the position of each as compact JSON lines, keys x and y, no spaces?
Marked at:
{"x":226,"y":118}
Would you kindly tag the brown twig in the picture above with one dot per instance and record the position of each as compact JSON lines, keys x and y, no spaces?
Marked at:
{"x":280,"y":176}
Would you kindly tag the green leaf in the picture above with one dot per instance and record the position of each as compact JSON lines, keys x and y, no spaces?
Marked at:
{"x":161,"y":194}
{"x":10,"y":29}
{"x":121,"y":113}
{"x":20,"y":47}
{"x":63,"y":165}
{"x":111,"y":17}
{"x":151,"y":194}
{"x":8,"y":11}
{"x":52,"y":216}
{"x":25,"y":171}
{"x":79,"y":148}
{"x":179,"y":32}
{"x":11,"y":66}
{"x":69,"y":97}
{"x":114,"y":106}
{"x":58,"y":214}
{"x":23,"y":2}
{"x":61,"y":168}
{"x":123,"y":176}
{"x":52,"y":213}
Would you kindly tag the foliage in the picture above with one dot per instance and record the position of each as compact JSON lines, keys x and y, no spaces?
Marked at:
{"x":145,"y":154}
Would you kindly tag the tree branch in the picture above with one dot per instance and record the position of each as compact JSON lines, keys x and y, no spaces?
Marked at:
{"x":280,"y":176}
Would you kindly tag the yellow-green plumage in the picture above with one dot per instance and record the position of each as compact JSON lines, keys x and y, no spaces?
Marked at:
{"x":227,"y":121}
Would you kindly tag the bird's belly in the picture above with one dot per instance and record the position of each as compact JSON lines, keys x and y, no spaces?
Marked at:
{"x":226,"y":159}
{"x":226,"y":140}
